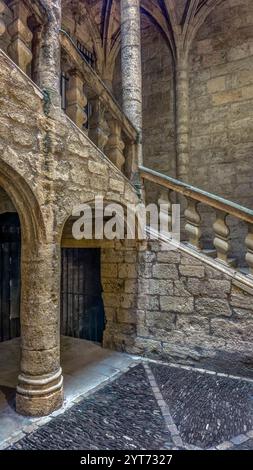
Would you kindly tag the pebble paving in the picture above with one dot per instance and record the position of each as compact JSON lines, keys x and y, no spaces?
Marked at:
{"x":153,"y":407}
{"x":122,"y":415}
{"x":207,"y":409}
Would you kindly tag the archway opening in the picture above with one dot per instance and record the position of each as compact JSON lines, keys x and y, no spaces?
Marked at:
{"x":10,"y":277}
{"x":10,"y":289}
{"x":98,"y":283}
{"x":82,"y":307}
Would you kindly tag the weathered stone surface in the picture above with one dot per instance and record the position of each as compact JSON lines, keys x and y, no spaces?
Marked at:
{"x":177,"y":304}
{"x":217,"y":307}
{"x":116,"y":185}
{"x":213,"y":288}
{"x":169,"y":257}
{"x":163,"y":271}
{"x":239,"y":299}
{"x":162,"y":287}
{"x":127,"y":271}
{"x":97,"y":167}
{"x":148,"y":301}
{"x":159,"y":320}
{"x":193,"y":324}
{"x":232,"y":329}
{"x":192,"y":271}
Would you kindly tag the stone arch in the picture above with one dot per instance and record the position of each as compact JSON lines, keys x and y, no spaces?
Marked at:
{"x":31,"y":219}
{"x":84,"y":200}
{"x":118,"y":264}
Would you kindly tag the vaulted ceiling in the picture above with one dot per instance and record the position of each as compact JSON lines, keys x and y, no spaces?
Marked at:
{"x":177,"y":20}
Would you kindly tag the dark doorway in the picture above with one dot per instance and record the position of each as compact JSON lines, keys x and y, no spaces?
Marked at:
{"x":82,"y":309}
{"x":10,"y":246}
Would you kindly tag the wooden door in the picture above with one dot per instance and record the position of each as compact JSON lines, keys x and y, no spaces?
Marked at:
{"x":82,"y":309}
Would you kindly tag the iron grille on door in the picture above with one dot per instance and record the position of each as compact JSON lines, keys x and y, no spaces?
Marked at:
{"x":82,"y":310}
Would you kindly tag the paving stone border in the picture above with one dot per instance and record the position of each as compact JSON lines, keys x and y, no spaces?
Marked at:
{"x":175,"y":435}
{"x":197,"y":369}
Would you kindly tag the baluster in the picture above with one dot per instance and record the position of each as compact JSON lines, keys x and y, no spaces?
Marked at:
{"x":249,"y":247}
{"x":76,"y":99}
{"x":221,"y":239}
{"x":193,"y":221}
{"x":115,"y":145}
{"x":21,"y":36}
{"x":131,"y":160}
{"x":165,"y":203}
{"x":98,"y":127}
{"x":2,"y":23}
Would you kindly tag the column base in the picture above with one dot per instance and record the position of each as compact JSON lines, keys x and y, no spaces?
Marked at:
{"x":39,"y":396}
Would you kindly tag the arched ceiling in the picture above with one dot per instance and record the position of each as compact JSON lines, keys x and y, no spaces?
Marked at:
{"x":177,"y":20}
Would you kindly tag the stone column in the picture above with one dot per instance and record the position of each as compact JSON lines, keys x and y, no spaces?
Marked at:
{"x":131,"y":69}
{"x":39,"y":390}
{"x":21,"y":36}
{"x":182,"y":117}
{"x":50,"y":53}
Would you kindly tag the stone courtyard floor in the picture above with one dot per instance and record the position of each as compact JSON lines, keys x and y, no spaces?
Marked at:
{"x":152,"y":406}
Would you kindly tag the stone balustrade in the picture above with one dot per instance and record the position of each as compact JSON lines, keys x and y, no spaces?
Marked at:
{"x":21,"y":36}
{"x":18,"y":21}
{"x":108,"y":127}
{"x":222,"y":246}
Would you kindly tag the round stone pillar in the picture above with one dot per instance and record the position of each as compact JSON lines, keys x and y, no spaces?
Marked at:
{"x":50,"y":53}
{"x":182,"y":118}
{"x":131,"y":65}
{"x":39,"y":389}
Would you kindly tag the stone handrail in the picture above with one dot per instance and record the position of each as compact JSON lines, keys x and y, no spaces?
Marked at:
{"x":223,"y":208}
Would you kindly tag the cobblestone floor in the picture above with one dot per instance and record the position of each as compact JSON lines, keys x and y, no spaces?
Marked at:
{"x":207,"y":409}
{"x":154,"y":406}
{"x":122,"y":415}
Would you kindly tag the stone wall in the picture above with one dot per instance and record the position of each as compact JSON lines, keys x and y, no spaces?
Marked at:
{"x":119,"y":281}
{"x":221,"y":100}
{"x":158,"y":102}
{"x":174,"y":306}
